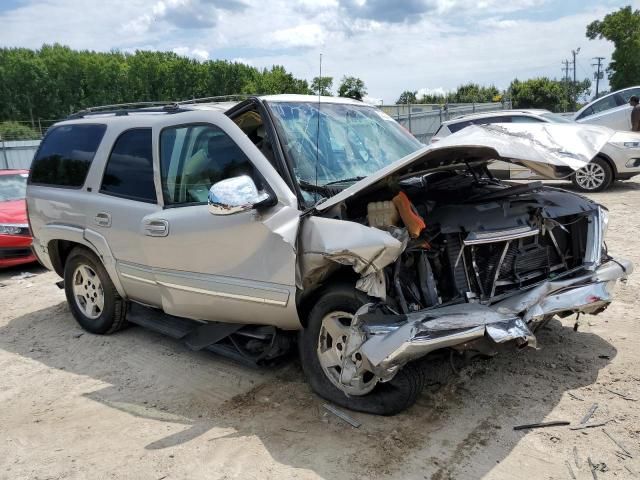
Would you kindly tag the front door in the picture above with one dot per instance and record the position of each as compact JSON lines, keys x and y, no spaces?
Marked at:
{"x":232,"y":268}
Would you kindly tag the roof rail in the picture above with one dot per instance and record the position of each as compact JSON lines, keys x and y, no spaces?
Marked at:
{"x":216,"y":99}
{"x":127,"y":108}
{"x":152,"y":107}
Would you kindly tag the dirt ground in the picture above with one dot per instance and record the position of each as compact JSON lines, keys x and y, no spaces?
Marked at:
{"x":139,"y":405}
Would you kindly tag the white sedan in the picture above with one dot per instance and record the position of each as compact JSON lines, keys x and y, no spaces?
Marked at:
{"x":618,"y":160}
{"x":612,"y":110}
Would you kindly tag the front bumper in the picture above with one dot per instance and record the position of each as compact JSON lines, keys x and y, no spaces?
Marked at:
{"x":393,"y":340}
{"x":15,"y":250}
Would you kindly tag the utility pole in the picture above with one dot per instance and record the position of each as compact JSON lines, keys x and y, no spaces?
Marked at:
{"x":565,"y":78}
{"x":598,"y":74}
{"x":574,"y":97}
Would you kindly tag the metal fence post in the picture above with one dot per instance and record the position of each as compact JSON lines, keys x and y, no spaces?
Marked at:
{"x":4,"y":155}
{"x":409,"y":105}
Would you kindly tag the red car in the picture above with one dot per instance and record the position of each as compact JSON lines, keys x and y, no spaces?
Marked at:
{"x":15,"y":236}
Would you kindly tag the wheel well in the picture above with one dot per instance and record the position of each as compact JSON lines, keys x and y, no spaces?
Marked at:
{"x":59,"y":251}
{"x":307,"y":299}
{"x":602,"y":156}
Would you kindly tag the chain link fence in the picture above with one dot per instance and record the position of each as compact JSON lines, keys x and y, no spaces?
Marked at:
{"x":19,"y":140}
{"x":423,"y":120}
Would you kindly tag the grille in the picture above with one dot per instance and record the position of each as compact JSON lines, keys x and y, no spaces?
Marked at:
{"x":8,"y":253}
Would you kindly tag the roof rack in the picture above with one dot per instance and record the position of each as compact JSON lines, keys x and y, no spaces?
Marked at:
{"x":127,"y":108}
{"x":217,"y":99}
{"x":151,"y":107}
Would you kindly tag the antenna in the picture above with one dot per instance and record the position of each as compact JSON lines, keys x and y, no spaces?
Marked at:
{"x":318,"y":126}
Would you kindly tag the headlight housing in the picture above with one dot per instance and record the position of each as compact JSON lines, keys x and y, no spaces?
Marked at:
{"x":14,"y":229}
{"x":604,"y":221}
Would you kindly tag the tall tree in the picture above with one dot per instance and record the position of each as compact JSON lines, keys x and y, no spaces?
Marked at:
{"x":352,"y":87}
{"x":407,"y":97}
{"x":621,"y":27}
{"x":546,"y":93}
{"x":322,"y":86}
{"x":54,"y":80}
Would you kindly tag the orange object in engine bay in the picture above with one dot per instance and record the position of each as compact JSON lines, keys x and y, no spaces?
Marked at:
{"x":411,"y":218}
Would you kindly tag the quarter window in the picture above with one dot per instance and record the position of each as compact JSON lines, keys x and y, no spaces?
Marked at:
{"x":65,"y":155}
{"x":129,"y":171}
{"x":194,"y":157}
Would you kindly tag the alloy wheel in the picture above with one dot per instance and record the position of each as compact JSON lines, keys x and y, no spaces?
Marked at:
{"x":591,"y":176}
{"x":88,"y":292}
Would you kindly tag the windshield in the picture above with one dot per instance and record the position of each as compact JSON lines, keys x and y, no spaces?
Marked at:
{"x":353,"y":141}
{"x":13,"y":187}
{"x":555,"y":118}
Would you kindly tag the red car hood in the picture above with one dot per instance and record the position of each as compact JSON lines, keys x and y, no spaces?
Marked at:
{"x":13,"y":211}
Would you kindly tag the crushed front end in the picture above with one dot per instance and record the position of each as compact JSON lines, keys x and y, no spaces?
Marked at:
{"x":469,"y":263}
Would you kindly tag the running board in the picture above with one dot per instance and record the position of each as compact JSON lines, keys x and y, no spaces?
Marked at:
{"x":196,"y":335}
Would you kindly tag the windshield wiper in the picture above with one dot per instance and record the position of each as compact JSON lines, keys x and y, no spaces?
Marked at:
{"x":345,"y":180}
{"x":312,"y":187}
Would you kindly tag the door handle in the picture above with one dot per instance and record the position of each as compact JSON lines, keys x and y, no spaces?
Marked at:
{"x":103,"y":219}
{"x":156,"y":228}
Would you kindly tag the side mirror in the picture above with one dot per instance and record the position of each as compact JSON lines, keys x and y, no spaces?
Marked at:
{"x":234,"y":195}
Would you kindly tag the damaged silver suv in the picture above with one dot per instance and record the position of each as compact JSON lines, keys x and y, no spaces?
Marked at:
{"x":233,"y":226}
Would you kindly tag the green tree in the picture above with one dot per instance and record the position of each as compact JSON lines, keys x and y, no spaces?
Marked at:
{"x":546,"y":93}
{"x":407,"y":97}
{"x":322,"y":86}
{"x":621,"y":27}
{"x":17,"y":131}
{"x":352,"y":87}
{"x":55,"y":80}
{"x":474,"y":93}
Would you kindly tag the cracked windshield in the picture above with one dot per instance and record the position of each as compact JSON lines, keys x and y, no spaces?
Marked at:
{"x":354,"y":141}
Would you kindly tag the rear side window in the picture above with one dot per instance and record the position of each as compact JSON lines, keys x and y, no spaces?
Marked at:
{"x":129,"y":170}
{"x":456,"y":127}
{"x":65,"y":155}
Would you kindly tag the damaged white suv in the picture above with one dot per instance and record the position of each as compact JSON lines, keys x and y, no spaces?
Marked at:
{"x":234,"y":225}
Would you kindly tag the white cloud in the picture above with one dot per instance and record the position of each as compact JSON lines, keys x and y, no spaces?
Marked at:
{"x":372,"y":100}
{"x":197,"y":53}
{"x":246,"y":61}
{"x":441,"y":91}
{"x":305,"y":35}
{"x":457,"y":42}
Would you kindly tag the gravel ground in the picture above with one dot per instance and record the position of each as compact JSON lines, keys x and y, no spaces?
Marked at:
{"x":139,"y":405}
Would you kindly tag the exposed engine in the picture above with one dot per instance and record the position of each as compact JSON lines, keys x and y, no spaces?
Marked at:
{"x":477,"y":239}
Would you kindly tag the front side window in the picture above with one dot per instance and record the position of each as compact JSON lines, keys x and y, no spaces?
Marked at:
{"x":627,"y":94}
{"x":129,"y":170}
{"x":65,"y":155}
{"x":606,"y":103}
{"x":194,"y":157}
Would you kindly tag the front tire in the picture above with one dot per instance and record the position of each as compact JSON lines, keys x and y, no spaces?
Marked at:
{"x":339,"y":303}
{"x":91,"y":295}
{"x":596,"y":176}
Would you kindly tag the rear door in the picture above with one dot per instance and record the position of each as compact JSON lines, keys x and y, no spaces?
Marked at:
{"x":124,"y":194}
{"x":232,"y":268}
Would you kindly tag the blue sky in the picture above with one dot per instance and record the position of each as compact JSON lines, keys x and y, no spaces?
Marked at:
{"x":393,"y":45}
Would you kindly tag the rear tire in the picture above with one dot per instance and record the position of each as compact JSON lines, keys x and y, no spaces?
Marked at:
{"x":91,"y":295}
{"x":386,"y":398}
{"x":596,"y":176}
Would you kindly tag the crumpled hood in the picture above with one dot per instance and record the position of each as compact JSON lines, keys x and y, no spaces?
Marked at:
{"x":552,"y":150}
